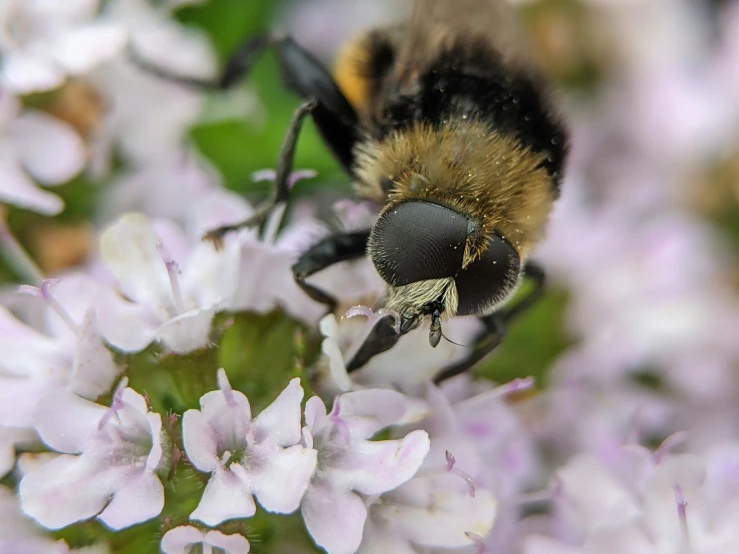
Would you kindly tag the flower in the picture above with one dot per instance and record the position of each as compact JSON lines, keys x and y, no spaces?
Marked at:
{"x":181,"y":540}
{"x":10,"y":438}
{"x":247,"y":457}
{"x":444,"y":503}
{"x":108,"y":469}
{"x":67,"y":354}
{"x":652,"y":503}
{"x":35,"y":143}
{"x":42,"y":42}
{"x":352,"y":468}
{"x":159,"y":304}
{"x":149,"y":116}
{"x":18,"y":534}
{"x":408,"y":366}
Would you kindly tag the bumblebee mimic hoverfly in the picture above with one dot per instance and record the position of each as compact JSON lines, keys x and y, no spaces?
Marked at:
{"x":444,"y":122}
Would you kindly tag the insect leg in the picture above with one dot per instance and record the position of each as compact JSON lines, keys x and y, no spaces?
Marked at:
{"x":334,"y":249}
{"x":496,"y":325}
{"x":281,"y":188}
{"x":302,"y":74}
{"x":237,"y":66}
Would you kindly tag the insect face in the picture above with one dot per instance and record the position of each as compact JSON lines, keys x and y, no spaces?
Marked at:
{"x":418,"y":247}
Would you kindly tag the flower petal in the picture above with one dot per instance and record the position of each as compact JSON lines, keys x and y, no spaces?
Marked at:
{"x":187,"y":332}
{"x":444,"y":523}
{"x":129,"y":250}
{"x":224,"y":498}
{"x":280,"y":484}
{"x":199,"y":440}
{"x":281,"y":419}
{"x":374,"y":467}
{"x":17,"y":189}
{"x":23,"y":73}
{"x":94,"y":370}
{"x":81,"y":49}
{"x":125,"y":325}
{"x":26,"y":351}
{"x":65,"y":490}
{"x":65,"y":421}
{"x":10,"y":437}
{"x":368,"y":411}
{"x":178,"y":540}
{"x":47,"y":147}
{"x":315,"y":413}
{"x":211,"y":275}
{"x":140,"y":496}
{"x":335,"y":518}
{"x":231,"y":544}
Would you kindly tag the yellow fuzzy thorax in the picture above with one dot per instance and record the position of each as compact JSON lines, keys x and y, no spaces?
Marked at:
{"x":489,"y":177}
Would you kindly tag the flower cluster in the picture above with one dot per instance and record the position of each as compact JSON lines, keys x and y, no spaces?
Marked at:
{"x":162,"y":394}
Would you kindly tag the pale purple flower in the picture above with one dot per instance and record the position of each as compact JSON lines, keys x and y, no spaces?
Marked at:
{"x":35,"y":147}
{"x":408,"y":366}
{"x":150,"y":116}
{"x":108,"y":469}
{"x":260,"y":457}
{"x":183,"y":540}
{"x":67,"y":353}
{"x":479,"y":413}
{"x":171,"y":187}
{"x":449,"y":498}
{"x":655,"y":503}
{"x":161,"y":302}
{"x":43,"y":42}
{"x":645,"y":294}
{"x":18,"y":534}
{"x":351,"y":468}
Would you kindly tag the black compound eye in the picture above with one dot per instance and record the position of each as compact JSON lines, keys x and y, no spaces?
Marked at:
{"x":489,"y":279}
{"x":417,"y":241}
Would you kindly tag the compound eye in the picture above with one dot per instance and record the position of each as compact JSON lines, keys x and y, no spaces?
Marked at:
{"x":488,"y":280}
{"x":418,"y":241}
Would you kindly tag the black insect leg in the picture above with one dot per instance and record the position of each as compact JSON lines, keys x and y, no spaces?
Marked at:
{"x":497,"y":324}
{"x":334,"y":249}
{"x":302,"y":74}
{"x":281,"y":188}
{"x":235,"y":69}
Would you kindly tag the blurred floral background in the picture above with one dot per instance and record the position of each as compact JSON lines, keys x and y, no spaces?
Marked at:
{"x":607,"y":422}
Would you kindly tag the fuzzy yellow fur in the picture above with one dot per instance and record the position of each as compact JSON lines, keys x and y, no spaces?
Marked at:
{"x":489,"y":177}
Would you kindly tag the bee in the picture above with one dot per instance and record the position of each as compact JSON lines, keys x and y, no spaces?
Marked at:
{"x":444,"y":121}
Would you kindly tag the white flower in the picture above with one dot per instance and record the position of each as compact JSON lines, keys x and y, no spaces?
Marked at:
{"x":160,"y":304}
{"x":444,"y":504}
{"x":247,"y":457}
{"x":351,"y":467}
{"x":109,"y":466}
{"x":149,"y":115}
{"x":18,"y":534}
{"x":408,"y":365}
{"x":35,"y":146}
{"x":42,"y":42}
{"x":182,"y":540}
{"x":662,"y":505}
{"x":68,"y":354}
{"x":172,"y":187}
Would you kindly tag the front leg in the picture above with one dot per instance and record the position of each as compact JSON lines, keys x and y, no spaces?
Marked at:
{"x":334,"y":249}
{"x":281,"y":186}
{"x":497,"y":324}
